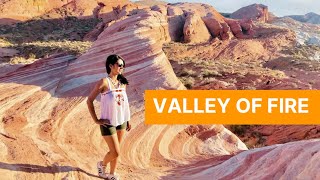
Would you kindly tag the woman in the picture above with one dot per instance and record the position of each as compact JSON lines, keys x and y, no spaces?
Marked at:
{"x":115,"y":113}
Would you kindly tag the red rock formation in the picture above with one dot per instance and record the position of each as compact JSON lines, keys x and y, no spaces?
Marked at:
{"x":194,"y":30}
{"x":24,"y":10}
{"x":241,"y":29}
{"x":247,"y":26}
{"x":97,"y":10}
{"x":235,"y":28}
{"x":226,"y":33}
{"x":163,"y":9}
{"x":93,"y":34}
{"x":217,"y":25}
{"x":150,"y":2}
{"x":256,"y":12}
{"x":282,"y":161}
{"x":176,"y":21}
{"x":108,"y":13}
{"x":213,"y":25}
{"x":201,"y":9}
{"x":208,"y":14}
{"x":283,"y":134}
{"x":174,"y":11}
{"x":16,"y":10}
{"x":120,"y":12}
{"x":175,"y":26}
{"x":90,"y":8}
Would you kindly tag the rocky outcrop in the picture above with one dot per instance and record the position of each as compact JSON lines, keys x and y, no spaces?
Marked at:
{"x":174,"y":11}
{"x":176,"y":21}
{"x":226,"y":33}
{"x":208,"y":14}
{"x":282,"y":134}
{"x":163,"y":9}
{"x":109,"y":13}
{"x":175,"y":26}
{"x":256,"y":12}
{"x":241,"y":29}
{"x":86,"y":9}
{"x":198,"y":8}
{"x":235,"y":27}
{"x":150,"y":2}
{"x":282,"y":161}
{"x":213,"y":25}
{"x":194,"y":30}
{"x":93,"y":34}
{"x":14,"y":10}
{"x":247,"y":27}
{"x":229,"y":28}
{"x":20,"y":11}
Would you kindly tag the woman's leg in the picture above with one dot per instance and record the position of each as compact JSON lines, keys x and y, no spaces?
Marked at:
{"x":114,"y":162}
{"x":114,"y":148}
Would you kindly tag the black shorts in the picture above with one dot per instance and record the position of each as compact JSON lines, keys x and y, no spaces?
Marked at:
{"x":107,"y":130}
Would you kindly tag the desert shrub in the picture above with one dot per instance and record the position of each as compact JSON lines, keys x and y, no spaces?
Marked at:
{"x":210,"y":73}
{"x":41,"y":49}
{"x":48,"y":29}
{"x":188,"y":82}
{"x":21,"y":60}
{"x":239,"y":129}
{"x":29,"y":52}
{"x":187,"y":72}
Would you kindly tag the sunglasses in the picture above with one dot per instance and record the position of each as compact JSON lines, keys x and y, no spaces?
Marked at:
{"x":120,"y":65}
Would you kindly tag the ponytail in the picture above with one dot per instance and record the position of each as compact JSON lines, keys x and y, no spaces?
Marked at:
{"x":122,"y":79}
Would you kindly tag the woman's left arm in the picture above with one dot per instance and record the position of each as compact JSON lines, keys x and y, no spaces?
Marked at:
{"x":128,"y":126}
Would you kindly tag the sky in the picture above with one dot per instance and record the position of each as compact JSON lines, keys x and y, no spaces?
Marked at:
{"x":277,"y":7}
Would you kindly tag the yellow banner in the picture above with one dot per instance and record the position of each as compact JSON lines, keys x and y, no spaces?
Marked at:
{"x":232,"y":107}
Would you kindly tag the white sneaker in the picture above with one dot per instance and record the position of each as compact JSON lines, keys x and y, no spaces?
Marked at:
{"x":101,"y":170}
{"x":117,"y":175}
{"x":112,"y":177}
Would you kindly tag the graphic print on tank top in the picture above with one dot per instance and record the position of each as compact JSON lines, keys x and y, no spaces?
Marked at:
{"x":119,"y":97}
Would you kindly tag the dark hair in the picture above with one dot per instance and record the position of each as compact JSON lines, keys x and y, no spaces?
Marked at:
{"x":112,"y":59}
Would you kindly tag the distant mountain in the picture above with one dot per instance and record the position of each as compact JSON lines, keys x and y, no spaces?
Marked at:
{"x":256,"y":12}
{"x":306,"y":33}
{"x":227,"y":15}
{"x":307,"y":18}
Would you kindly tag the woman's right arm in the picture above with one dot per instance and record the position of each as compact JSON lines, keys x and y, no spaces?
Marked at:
{"x":100,"y":85}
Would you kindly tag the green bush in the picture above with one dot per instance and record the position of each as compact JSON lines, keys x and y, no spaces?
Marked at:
{"x":239,"y":129}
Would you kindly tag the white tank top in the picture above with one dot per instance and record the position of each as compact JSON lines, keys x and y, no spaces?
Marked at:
{"x":114,"y":105}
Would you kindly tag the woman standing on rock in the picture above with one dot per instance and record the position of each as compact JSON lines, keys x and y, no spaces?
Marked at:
{"x":115,"y":113}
